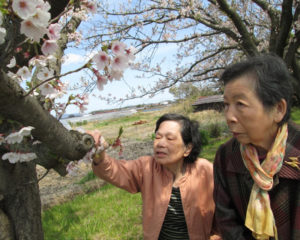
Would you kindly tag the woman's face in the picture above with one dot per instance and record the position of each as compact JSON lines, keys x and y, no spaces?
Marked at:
{"x":169,"y":148}
{"x":246,"y":116}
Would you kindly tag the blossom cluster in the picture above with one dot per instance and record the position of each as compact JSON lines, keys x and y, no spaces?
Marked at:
{"x":112,"y":66}
{"x":15,"y":138}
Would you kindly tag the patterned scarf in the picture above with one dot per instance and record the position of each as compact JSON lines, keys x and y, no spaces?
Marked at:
{"x":259,"y":218}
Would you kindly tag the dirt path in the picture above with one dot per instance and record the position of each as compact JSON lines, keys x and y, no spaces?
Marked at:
{"x":55,"y":189}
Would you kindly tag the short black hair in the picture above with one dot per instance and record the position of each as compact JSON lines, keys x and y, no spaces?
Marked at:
{"x":189,"y":132}
{"x":273,"y":79}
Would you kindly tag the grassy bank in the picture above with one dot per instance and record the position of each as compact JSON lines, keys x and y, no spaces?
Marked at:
{"x":111,"y":213}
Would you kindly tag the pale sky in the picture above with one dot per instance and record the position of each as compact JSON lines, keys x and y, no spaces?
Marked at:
{"x":115,"y":88}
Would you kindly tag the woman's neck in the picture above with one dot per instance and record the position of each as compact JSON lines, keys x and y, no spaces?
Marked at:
{"x":178,"y":170}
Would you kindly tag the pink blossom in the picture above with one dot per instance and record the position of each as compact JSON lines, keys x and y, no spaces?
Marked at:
{"x":101,"y":59}
{"x":24,"y":73}
{"x":54,"y":31}
{"x":130,"y":53}
{"x":118,"y":47}
{"x":120,"y":62}
{"x":24,"y":8}
{"x":49,"y":47}
{"x":91,"y":7}
{"x":29,"y":29}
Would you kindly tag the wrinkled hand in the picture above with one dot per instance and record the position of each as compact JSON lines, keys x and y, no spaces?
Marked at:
{"x":100,"y":142}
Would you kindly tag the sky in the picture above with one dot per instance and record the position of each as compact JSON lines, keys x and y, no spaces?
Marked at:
{"x":74,"y":59}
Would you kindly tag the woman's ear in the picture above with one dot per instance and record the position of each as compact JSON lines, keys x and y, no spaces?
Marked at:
{"x":280,"y":110}
{"x":188,"y":149}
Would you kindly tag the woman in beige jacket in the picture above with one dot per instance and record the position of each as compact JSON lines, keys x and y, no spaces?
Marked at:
{"x":176,"y":185}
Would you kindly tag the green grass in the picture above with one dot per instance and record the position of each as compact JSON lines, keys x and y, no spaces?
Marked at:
{"x":295,"y":116}
{"x":211,"y":148}
{"x":109,"y":213}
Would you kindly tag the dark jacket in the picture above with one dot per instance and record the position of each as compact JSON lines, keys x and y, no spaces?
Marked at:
{"x":233,"y":185}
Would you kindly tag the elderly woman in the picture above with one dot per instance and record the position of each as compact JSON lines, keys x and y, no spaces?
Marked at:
{"x":256,"y":173}
{"x":176,"y":185}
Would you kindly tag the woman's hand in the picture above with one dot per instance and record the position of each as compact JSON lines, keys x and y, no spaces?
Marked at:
{"x":100,"y":144}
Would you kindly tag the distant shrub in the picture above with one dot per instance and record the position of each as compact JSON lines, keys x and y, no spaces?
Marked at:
{"x":81,"y":123}
{"x":215,"y":130}
{"x":204,"y":137}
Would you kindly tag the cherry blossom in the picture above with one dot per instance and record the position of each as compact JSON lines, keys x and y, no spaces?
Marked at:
{"x":32,"y":31}
{"x":24,"y":8}
{"x":118,"y":47}
{"x":26,"y":131}
{"x":101,"y":59}
{"x":130,"y":53}
{"x":115,"y":74}
{"x":17,"y":137}
{"x":13,"y":157}
{"x":24,"y":73}
{"x":49,"y":47}
{"x":40,"y":18}
{"x":101,"y":81}
{"x":91,"y":6}
{"x":12,"y":63}
{"x":47,"y":89}
{"x":45,"y":73}
{"x":119,"y":63}
{"x":54,"y":31}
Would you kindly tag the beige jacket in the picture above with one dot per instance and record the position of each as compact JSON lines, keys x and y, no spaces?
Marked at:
{"x":154,"y":182}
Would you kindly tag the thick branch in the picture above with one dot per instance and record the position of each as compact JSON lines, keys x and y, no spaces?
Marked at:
{"x":48,"y":130}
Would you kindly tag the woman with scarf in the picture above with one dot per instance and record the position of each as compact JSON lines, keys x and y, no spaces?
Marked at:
{"x":176,"y":185}
{"x":256,"y":173}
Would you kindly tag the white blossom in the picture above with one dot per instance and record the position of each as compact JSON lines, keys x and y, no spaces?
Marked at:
{"x":32,"y":31}
{"x":45,"y":73}
{"x":25,"y":131}
{"x":47,"y":89}
{"x":24,"y":73}
{"x":40,"y":18}
{"x":24,"y":8}
{"x":13,"y":138}
{"x":13,"y":157}
{"x":12,"y":63}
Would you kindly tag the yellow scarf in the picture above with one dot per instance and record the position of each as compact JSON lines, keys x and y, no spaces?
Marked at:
{"x":259,"y":218}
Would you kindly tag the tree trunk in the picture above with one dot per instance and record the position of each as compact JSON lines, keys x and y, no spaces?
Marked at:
{"x":21,"y":202}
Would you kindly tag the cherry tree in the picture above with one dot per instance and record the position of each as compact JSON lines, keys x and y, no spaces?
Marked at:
{"x":206,"y":35}
{"x":34,"y":35}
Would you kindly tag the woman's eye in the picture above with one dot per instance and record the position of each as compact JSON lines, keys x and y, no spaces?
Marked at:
{"x":240,"y":104}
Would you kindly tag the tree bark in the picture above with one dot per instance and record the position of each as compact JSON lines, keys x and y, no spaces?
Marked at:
{"x":21,"y":202}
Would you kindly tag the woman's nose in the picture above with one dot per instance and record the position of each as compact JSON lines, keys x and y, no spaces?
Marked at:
{"x":230,"y":114}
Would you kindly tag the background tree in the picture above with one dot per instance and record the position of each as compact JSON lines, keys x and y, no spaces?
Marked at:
{"x":206,"y":35}
{"x":191,"y":91}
